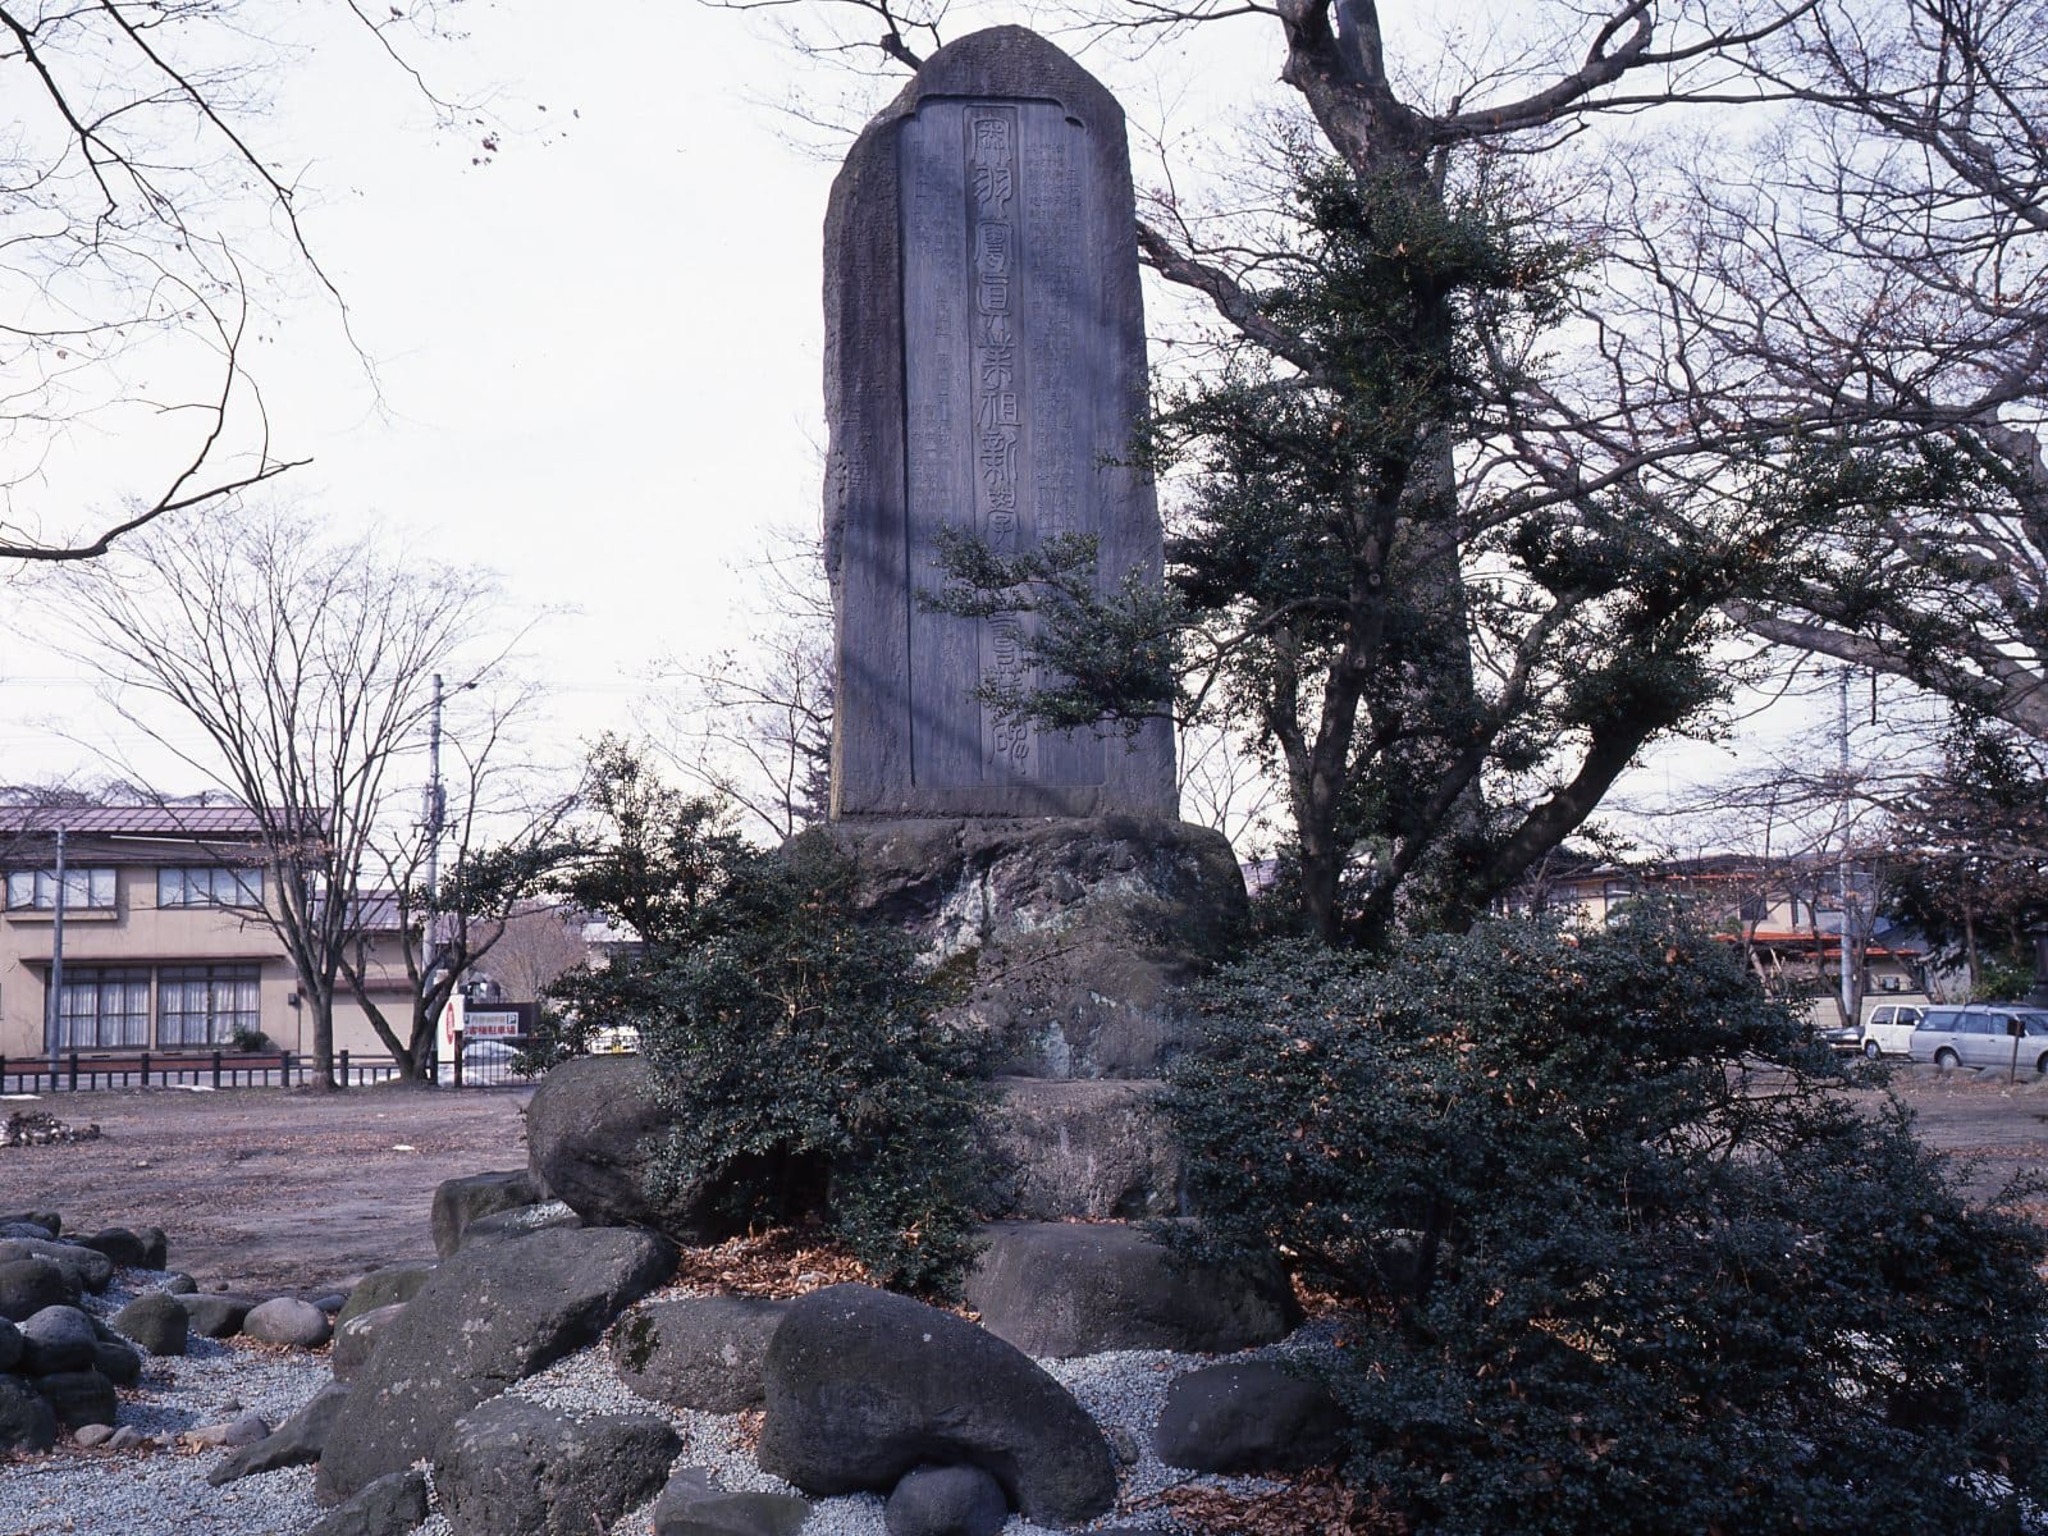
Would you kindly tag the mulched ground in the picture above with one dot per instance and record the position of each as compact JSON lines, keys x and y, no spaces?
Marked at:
{"x":265,"y":1189}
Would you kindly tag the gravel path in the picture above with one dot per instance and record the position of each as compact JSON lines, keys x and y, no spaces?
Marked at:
{"x":163,"y":1491}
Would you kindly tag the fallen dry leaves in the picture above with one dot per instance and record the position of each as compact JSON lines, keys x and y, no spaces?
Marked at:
{"x":782,"y":1263}
{"x":1314,"y":1504}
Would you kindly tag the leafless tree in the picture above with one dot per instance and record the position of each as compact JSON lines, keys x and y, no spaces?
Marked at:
{"x":541,"y":941}
{"x":456,"y":877}
{"x":753,"y":723}
{"x":136,"y":200}
{"x":1836,"y":322}
{"x":295,"y":673}
{"x":1230,"y":789}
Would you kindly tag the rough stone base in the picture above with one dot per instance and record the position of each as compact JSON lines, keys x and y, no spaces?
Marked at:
{"x":1075,"y":936}
{"x":1084,"y":1149}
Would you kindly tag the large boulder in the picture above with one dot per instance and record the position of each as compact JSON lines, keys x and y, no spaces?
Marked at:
{"x":520,"y":1220}
{"x":123,"y":1247}
{"x":119,"y":1361}
{"x":458,"y":1202}
{"x":159,"y":1323}
{"x":701,"y":1352}
{"x":390,"y":1506}
{"x":287,"y":1320}
{"x":863,"y":1386}
{"x":27,"y":1421}
{"x":27,"y":1285}
{"x":1248,"y":1417}
{"x":79,"y":1398}
{"x":1077,"y":936}
{"x":1073,"y":1147}
{"x":356,"y":1339}
{"x":1057,"y":1289}
{"x":58,"y":1339}
{"x":83,"y":1268}
{"x":946,"y":1501}
{"x":382,"y":1287}
{"x":593,"y":1128}
{"x":514,"y":1468}
{"x":690,"y":1506}
{"x":491,"y":1315}
{"x":216,"y":1314}
{"x":297,"y":1442}
{"x":156,"y":1248}
{"x":12,"y":1345}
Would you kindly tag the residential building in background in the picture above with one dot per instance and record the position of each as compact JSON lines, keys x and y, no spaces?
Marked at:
{"x":165,"y":943}
{"x":1788,"y":917}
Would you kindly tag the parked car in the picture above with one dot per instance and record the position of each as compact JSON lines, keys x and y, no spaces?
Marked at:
{"x":1887,"y":1032}
{"x":1983,"y":1035}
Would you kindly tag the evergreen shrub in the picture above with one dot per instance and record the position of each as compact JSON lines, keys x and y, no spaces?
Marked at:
{"x":1628,"y":1257}
{"x":801,"y":1050}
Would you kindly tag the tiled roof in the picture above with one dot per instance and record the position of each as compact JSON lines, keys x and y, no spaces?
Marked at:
{"x":132,"y":820}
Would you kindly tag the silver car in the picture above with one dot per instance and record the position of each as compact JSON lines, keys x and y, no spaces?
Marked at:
{"x":1983,"y":1035}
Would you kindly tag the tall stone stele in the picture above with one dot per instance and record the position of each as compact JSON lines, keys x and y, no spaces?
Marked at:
{"x":985,"y":371}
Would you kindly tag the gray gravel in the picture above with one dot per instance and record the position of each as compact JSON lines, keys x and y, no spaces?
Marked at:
{"x":163,"y":1491}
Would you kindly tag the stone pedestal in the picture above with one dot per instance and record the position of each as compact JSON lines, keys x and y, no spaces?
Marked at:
{"x":1075,"y":937}
{"x":1072,"y":1148}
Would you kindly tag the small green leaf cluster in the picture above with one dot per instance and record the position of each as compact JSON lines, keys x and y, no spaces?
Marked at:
{"x":1629,"y":1259}
{"x":800,"y":1050}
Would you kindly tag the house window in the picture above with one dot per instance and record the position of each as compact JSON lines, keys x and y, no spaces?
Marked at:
{"x":206,"y":1004}
{"x":35,"y":890}
{"x":103,"y":1006}
{"x":208,"y":885}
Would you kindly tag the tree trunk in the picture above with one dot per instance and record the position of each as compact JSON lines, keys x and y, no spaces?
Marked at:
{"x":322,"y":1004}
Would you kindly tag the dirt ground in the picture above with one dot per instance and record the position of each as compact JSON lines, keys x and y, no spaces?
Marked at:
{"x":262,"y":1189}
{"x":270,"y":1191}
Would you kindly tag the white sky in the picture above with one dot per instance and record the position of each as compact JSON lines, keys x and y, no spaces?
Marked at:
{"x":598,"y":355}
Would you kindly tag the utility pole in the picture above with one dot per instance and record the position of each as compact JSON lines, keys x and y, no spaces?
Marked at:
{"x":1849,"y":1008}
{"x":434,"y":820}
{"x":53,"y":1004}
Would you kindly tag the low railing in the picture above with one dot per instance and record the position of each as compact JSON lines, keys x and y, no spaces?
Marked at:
{"x":86,"y":1071}
{"x":83,"y":1071}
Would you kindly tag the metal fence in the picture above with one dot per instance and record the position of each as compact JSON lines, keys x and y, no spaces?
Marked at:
{"x":480,"y":1064}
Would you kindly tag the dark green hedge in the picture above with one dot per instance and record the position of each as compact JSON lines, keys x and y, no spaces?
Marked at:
{"x":1629,"y":1258}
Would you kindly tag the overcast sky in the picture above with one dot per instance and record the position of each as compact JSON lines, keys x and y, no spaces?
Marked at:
{"x":596,"y":355}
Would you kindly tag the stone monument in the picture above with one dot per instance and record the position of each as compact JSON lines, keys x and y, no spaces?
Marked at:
{"x":984,"y":371}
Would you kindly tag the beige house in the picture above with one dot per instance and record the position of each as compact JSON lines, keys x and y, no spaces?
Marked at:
{"x":165,"y":944}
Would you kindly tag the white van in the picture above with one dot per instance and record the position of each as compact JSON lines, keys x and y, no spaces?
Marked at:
{"x":1889,"y":1030}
